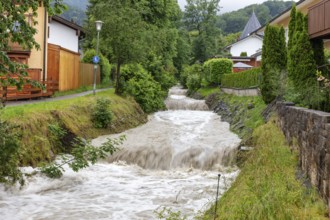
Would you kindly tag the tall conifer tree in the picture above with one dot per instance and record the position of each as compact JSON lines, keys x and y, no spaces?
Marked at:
{"x":292,"y":26}
{"x":273,"y":62}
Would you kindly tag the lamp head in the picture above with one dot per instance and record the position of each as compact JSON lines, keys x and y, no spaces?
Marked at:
{"x":98,"y":25}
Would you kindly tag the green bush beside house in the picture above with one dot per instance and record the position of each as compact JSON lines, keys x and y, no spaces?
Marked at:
{"x":213,"y":69}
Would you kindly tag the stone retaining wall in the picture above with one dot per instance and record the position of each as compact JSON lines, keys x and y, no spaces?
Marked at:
{"x":309,"y":132}
{"x":241,"y":92}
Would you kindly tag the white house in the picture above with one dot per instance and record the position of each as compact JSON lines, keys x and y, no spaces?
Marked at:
{"x":64,"y":33}
{"x":250,"y":44}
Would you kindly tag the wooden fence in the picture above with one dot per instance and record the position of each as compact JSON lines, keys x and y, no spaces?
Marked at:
{"x":87,"y":74}
{"x":65,"y":67}
{"x":69,"y":70}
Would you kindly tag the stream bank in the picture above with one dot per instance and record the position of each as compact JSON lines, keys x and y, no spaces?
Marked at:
{"x":269,"y":185}
{"x":48,"y":128}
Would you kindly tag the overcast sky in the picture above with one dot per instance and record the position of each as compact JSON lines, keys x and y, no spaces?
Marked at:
{"x":230,"y":5}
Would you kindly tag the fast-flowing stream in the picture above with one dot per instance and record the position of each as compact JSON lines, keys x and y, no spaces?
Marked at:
{"x":172,"y":161}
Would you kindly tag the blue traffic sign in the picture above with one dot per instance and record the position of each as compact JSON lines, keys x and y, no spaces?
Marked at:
{"x":96,"y":59}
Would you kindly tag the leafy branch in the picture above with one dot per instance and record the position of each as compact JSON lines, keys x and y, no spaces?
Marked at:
{"x":83,"y":154}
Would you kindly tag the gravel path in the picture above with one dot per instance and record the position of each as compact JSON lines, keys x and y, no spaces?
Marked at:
{"x":32,"y":101}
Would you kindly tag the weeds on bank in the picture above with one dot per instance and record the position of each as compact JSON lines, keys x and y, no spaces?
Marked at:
{"x":41,"y":125}
{"x":206,"y":91}
{"x":267,"y":187}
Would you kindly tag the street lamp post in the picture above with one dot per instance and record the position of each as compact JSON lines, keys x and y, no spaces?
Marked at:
{"x":96,"y":58}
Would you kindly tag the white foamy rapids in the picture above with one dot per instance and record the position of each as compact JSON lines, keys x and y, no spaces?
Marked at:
{"x":113,"y":192}
{"x":177,"y":100}
{"x":177,"y":90}
{"x":176,"y":139}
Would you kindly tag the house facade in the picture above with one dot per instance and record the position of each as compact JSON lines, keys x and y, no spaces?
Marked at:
{"x":58,"y":59}
{"x":50,"y":30}
{"x":64,"y":33}
{"x":35,"y":59}
{"x":249,"y":43}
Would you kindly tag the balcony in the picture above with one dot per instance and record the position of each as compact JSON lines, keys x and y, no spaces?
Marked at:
{"x":319,"y":20}
{"x":18,"y":53}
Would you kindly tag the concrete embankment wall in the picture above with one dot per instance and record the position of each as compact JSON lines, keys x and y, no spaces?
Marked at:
{"x":308,"y":131}
{"x":241,"y":92}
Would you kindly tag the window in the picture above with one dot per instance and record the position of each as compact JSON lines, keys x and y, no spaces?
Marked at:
{"x":16,"y":26}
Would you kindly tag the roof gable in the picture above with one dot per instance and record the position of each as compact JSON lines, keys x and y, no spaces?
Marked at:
{"x":252,"y":25}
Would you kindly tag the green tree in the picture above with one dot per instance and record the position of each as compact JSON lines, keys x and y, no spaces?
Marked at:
{"x":318,"y":50}
{"x":136,"y":32}
{"x":183,"y":55}
{"x":273,"y":62}
{"x":302,"y":65}
{"x":9,"y":33}
{"x":282,"y":49}
{"x":200,"y":15}
{"x":162,"y":18}
{"x":122,"y":31}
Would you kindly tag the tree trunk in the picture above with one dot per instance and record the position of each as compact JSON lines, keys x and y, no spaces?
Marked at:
{"x":118,"y":90}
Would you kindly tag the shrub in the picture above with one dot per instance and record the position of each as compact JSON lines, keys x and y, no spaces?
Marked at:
{"x":243,"y":54}
{"x":165,"y":76}
{"x":166,"y":80}
{"x":215,"y":68}
{"x":190,"y":70}
{"x":183,"y":77}
{"x":194,"y":82}
{"x":104,"y":64}
{"x":246,"y":79}
{"x":56,"y":135}
{"x":141,"y":85}
{"x":102,"y":115}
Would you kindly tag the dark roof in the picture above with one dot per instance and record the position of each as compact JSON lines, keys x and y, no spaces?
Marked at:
{"x":257,"y":54}
{"x":240,"y":58}
{"x":252,"y":25}
{"x":67,"y":23}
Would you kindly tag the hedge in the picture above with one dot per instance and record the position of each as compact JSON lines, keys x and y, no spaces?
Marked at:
{"x":215,"y":68}
{"x":243,"y":80}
